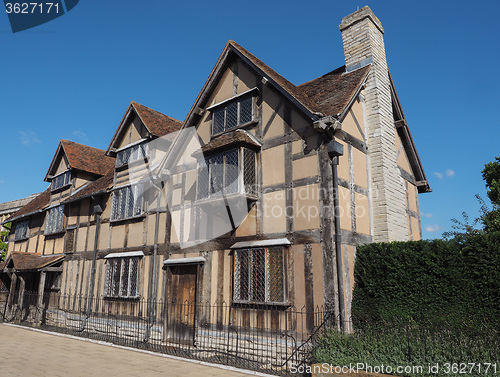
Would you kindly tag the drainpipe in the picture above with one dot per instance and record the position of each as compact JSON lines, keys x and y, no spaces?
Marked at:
{"x":329,"y":125}
{"x":97,"y":212}
{"x":152,"y":306}
{"x":335,"y":150}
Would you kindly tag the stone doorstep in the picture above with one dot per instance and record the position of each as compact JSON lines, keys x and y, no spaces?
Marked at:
{"x":358,"y":374}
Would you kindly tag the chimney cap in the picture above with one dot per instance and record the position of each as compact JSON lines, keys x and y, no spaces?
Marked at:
{"x":358,"y":16}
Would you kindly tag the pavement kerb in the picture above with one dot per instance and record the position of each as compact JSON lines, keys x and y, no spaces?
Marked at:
{"x":219,"y":366}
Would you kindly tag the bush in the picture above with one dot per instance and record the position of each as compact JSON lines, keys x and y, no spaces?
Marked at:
{"x":441,"y":281}
{"x":403,"y":344}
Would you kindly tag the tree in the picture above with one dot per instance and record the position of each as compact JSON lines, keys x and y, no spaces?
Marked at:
{"x":3,"y":245}
{"x":491,"y":175}
{"x":489,"y":218}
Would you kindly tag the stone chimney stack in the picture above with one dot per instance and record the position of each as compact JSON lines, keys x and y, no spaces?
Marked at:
{"x":362,"y":36}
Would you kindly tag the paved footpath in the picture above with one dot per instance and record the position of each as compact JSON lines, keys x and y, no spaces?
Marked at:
{"x":25,"y":352}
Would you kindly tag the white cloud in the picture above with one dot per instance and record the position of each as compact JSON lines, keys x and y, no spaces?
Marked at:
{"x":433,"y":228}
{"x":450,"y":173}
{"x":80,"y":134}
{"x":29,"y":138}
{"x":439,"y":175}
{"x":428,"y":215}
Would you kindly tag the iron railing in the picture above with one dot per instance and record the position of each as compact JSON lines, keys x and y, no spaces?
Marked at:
{"x":270,"y":339}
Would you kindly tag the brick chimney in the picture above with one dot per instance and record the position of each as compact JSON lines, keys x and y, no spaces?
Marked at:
{"x":362,"y":37}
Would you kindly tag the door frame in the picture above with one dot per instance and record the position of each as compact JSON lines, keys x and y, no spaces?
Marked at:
{"x":168,"y":264}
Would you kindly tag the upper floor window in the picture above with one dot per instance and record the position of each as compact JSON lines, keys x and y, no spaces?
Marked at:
{"x":260,"y":275}
{"x":131,"y":154}
{"x":21,"y":231}
{"x":231,"y":114}
{"x":127,"y":202}
{"x":61,"y":180}
{"x":54,"y":220}
{"x":122,"y":277}
{"x":229,"y":172}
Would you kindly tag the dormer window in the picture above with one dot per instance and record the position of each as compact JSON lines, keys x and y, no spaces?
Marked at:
{"x":233,"y":113}
{"x":61,"y":180}
{"x":131,"y":154}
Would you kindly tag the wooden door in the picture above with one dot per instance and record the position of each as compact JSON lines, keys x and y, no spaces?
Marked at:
{"x":181,"y":303}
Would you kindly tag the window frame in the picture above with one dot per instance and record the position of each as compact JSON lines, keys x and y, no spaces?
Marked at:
{"x":119,"y":202}
{"x":22,"y":231}
{"x":206,"y":170}
{"x":66,"y":180}
{"x":224,"y":105}
{"x":54,"y":220}
{"x":114,"y":280}
{"x":251,"y":300}
{"x":138,"y":150}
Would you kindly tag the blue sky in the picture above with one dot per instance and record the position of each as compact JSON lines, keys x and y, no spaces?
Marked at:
{"x":74,"y":77}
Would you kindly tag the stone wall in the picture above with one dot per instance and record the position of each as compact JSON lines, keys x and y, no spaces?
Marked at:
{"x":362,"y":36}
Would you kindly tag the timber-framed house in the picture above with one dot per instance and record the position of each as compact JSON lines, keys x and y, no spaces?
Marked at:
{"x":302,"y":173}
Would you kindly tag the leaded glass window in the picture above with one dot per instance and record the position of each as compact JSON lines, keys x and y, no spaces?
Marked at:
{"x":127,"y":202}
{"x":228,"y":172}
{"x":131,"y":154}
{"x":259,"y":275}
{"x":61,"y":180}
{"x":21,"y":231}
{"x":235,"y":113}
{"x":54,"y":220}
{"x":122,"y":277}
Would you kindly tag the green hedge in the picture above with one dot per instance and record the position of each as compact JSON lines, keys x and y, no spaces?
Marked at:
{"x":451,"y":281}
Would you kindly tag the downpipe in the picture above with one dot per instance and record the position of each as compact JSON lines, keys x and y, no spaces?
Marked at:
{"x":152,"y":300}
{"x":97,"y":212}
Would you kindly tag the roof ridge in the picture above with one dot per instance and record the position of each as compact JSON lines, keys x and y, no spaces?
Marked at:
{"x":133,"y":103}
{"x":83,"y":145}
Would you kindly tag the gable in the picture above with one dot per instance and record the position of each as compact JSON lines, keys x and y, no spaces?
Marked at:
{"x":406,"y":140}
{"x":133,"y":132}
{"x":75,"y":156}
{"x":62,"y":163}
{"x":140,"y":122}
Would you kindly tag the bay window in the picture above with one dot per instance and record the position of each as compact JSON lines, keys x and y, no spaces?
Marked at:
{"x":229,"y":172}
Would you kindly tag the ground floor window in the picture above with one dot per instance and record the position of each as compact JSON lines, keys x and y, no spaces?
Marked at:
{"x":122,"y":277}
{"x":260,"y":275}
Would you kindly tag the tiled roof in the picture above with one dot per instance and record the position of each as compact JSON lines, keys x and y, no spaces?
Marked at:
{"x":240,"y":137}
{"x":328,"y":94}
{"x":88,"y":159}
{"x":31,"y":261}
{"x":333,"y":91}
{"x":158,"y":124}
{"x":39,"y":203}
{"x":298,"y":94}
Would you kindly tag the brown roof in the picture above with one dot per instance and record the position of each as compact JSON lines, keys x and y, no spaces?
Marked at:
{"x":158,"y":124}
{"x":332,"y":92}
{"x":39,"y":203}
{"x":240,"y":137}
{"x":328,"y":94}
{"x":298,"y":94}
{"x":88,"y":159}
{"x":100,"y":184}
{"x":31,"y":261}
